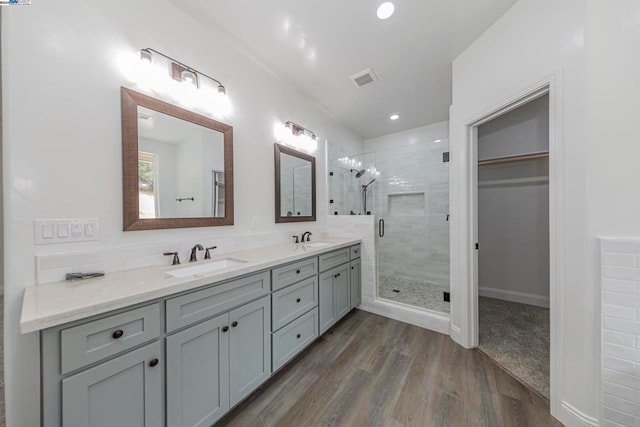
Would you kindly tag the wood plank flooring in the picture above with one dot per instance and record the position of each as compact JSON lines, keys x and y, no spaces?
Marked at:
{"x":372,"y":371}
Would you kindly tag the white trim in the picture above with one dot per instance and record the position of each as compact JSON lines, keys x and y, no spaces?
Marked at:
{"x":513,"y":296}
{"x":455,"y":333}
{"x":464,"y":219}
{"x":577,"y":416}
{"x":405,"y":313}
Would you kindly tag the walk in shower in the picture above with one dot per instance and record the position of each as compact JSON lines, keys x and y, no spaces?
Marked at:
{"x":407,"y":190}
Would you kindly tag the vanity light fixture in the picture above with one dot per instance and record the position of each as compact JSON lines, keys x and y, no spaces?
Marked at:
{"x":146,"y":56}
{"x":191,"y":89}
{"x":298,"y":137}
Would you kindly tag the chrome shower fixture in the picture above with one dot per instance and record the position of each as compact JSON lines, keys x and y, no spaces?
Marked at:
{"x":359,"y":172}
{"x":364,"y":187}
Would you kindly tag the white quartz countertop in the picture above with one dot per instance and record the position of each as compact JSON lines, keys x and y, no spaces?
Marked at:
{"x":53,"y":304}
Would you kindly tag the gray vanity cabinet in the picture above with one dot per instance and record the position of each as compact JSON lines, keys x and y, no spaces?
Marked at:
{"x":355,"y":275}
{"x":215,"y":364}
{"x":250,"y":348}
{"x":334,"y":296}
{"x":186,"y":359}
{"x":198,"y":374}
{"x":125,"y":391}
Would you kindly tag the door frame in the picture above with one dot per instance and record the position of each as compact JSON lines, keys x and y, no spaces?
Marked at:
{"x":468,"y":335}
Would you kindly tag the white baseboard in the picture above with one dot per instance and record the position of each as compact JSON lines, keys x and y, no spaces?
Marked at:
{"x":519,"y":297}
{"x":456,"y":334}
{"x":573,"y":417}
{"x":407,"y":314}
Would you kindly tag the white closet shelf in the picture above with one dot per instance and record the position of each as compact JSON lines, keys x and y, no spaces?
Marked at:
{"x":518,"y":158}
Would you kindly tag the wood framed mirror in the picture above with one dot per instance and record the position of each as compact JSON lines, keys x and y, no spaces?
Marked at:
{"x":177,"y":166}
{"x":295,"y":185}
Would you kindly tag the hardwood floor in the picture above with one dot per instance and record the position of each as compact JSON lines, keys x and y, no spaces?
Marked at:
{"x":372,"y":371}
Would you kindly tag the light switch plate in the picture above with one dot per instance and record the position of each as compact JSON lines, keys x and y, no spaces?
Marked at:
{"x":51,"y":231}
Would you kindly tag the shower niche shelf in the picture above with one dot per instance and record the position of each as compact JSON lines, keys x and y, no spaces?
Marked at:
{"x":406,"y":204}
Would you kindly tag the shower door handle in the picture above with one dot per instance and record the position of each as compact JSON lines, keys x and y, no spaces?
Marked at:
{"x":381,"y":227}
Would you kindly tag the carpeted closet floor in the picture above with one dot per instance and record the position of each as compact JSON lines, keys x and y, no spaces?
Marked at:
{"x":516,"y":336}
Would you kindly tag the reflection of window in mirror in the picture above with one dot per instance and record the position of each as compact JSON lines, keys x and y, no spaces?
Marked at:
{"x":147,"y":173}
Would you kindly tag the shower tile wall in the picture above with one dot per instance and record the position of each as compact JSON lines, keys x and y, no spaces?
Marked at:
{"x":412,"y":196}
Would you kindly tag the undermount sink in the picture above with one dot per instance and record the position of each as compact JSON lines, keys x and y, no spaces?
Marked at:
{"x":208,"y":267}
{"x":316,"y":244}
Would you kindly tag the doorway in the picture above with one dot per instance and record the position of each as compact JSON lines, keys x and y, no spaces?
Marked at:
{"x":513,"y":261}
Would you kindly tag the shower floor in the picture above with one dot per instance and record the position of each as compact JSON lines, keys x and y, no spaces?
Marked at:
{"x":418,"y":293}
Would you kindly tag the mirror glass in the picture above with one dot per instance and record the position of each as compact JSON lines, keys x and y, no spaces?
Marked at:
{"x":177,"y":166}
{"x":295,"y":185}
{"x":180,"y":168}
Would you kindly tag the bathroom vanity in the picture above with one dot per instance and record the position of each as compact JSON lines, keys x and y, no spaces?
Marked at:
{"x":180,"y":346}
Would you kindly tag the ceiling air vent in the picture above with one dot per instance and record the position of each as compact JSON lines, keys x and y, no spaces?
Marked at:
{"x":364,"y":78}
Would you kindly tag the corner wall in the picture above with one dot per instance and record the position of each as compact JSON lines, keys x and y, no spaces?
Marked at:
{"x":62,"y":144}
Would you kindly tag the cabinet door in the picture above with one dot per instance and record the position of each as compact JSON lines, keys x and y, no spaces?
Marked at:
{"x":125,"y":391}
{"x":198,"y":374}
{"x":355,"y":278}
{"x":326,"y":300}
{"x":341,"y":285}
{"x":250,"y":347}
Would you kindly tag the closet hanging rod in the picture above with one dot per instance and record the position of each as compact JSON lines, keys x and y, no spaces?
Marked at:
{"x":518,"y":158}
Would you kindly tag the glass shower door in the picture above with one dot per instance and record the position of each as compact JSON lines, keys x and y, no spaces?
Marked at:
{"x":411,"y":204}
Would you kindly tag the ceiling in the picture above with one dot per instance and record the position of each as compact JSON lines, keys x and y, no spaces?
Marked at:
{"x":317,"y":45}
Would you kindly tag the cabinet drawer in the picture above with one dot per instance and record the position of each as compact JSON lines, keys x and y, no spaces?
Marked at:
{"x":355,"y":251}
{"x":294,"y":337}
{"x":190,"y":308}
{"x":88,"y":343}
{"x":334,"y":259}
{"x":292,"y":273}
{"x":291,"y":302}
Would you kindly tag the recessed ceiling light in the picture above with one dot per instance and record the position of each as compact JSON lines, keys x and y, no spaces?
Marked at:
{"x":394,"y":117}
{"x":385,"y":10}
{"x":438,"y":140}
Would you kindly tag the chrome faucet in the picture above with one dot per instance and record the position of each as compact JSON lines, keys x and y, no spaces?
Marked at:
{"x":308,"y":234}
{"x":207,"y":255}
{"x":193,"y":256}
{"x":176,"y":259}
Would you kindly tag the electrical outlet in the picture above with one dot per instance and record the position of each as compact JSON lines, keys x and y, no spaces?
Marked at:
{"x":255,"y":222}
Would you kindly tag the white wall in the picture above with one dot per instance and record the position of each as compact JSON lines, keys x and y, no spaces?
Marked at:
{"x":62,"y":142}
{"x":521,"y":131}
{"x":533,"y":41}
{"x":613,"y":90}
{"x":431,"y":132}
{"x":513,"y":207}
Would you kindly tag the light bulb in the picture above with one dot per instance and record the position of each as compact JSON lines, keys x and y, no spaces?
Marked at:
{"x":189,"y":78}
{"x":385,"y":10}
